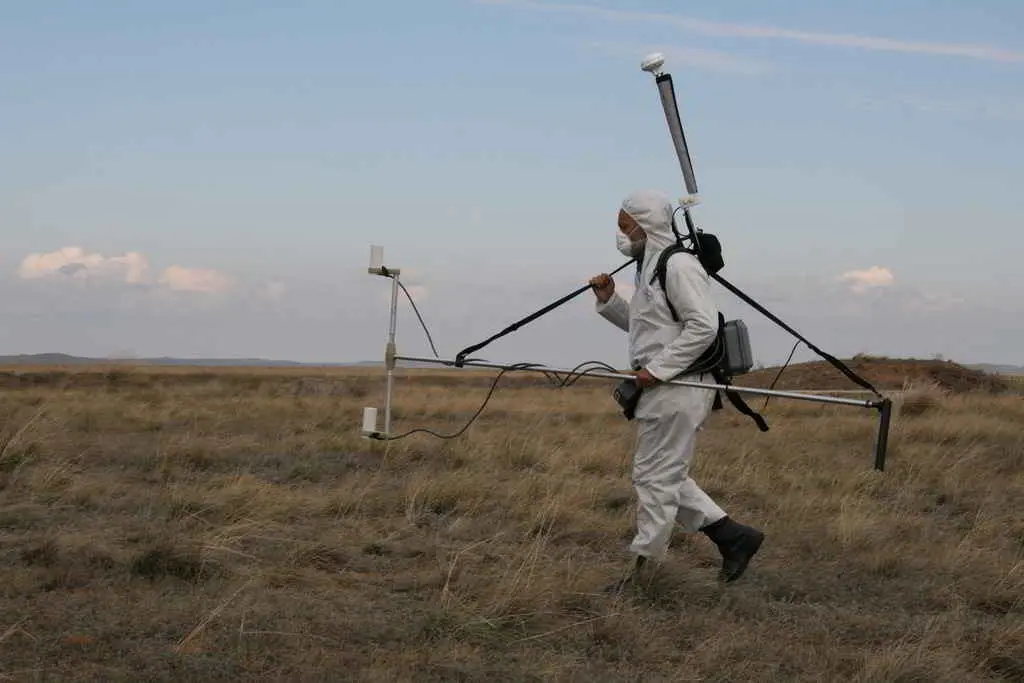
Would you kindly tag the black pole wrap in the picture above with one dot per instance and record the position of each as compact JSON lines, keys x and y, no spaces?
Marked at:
{"x":882,"y":444}
{"x":460,"y":357}
{"x":675,"y":126}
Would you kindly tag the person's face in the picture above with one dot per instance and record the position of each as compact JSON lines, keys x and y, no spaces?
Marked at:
{"x":630,"y":228}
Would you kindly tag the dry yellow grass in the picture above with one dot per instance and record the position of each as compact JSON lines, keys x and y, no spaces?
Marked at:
{"x":181,"y":524}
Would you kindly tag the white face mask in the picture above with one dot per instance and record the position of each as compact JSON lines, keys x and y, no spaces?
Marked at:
{"x":628,"y":247}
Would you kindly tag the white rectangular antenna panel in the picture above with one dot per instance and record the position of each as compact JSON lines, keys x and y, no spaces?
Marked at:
{"x":376,"y":259}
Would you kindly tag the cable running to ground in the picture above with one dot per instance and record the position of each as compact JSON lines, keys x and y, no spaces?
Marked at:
{"x":559,"y":380}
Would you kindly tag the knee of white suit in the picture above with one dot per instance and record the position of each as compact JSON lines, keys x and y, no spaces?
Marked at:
{"x":666,"y":494}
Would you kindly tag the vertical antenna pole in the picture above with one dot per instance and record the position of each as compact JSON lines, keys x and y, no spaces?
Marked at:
{"x":377,"y":267}
{"x":389,"y":353}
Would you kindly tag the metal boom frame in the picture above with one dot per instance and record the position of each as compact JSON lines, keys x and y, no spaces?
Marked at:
{"x":651,"y":64}
{"x":391,"y":359}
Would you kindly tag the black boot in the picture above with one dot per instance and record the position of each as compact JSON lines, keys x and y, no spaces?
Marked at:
{"x":737,"y":543}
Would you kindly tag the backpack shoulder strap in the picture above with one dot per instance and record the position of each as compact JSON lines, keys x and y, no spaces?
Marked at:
{"x":737,"y":401}
{"x":661,"y":269}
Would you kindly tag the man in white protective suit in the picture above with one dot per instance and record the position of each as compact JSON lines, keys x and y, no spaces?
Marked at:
{"x":668,"y":416}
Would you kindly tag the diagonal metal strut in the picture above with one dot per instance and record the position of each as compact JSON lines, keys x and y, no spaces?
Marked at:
{"x":615,"y":375}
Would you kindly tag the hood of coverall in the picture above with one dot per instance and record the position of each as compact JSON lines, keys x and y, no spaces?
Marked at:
{"x":652,"y":211}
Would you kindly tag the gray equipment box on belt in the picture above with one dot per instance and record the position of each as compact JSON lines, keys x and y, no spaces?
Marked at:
{"x":739,"y":358}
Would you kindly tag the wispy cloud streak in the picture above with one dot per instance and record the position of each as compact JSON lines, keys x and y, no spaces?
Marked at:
{"x":697,"y":58}
{"x":732,"y":30}
{"x":990,"y":110}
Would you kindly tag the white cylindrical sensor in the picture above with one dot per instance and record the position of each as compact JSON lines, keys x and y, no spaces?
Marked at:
{"x":369,"y":420}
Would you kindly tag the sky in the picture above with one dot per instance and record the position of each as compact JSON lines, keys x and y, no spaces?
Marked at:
{"x":203,"y":179}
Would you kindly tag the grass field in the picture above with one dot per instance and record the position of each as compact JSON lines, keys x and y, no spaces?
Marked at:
{"x":177,"y":524}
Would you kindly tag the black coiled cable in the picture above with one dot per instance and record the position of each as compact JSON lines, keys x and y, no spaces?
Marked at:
{"x":558,"y":379}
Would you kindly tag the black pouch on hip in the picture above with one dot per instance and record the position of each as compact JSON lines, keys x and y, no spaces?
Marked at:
{"x":627,"y":395}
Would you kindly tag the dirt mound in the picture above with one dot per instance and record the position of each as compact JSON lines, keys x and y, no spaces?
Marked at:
{"x":883,"y":373}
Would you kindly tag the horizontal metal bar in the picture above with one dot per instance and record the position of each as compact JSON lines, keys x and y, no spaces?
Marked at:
{"x":616,"y":375}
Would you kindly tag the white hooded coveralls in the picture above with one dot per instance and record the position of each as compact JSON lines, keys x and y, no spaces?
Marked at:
{"x":668,"y":416}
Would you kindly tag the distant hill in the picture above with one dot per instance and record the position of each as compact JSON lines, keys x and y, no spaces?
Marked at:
{"x":883,"y":373}
{"x":67,"y":359}
{"x":996,"y":369}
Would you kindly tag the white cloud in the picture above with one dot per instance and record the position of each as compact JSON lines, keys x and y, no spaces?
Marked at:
{"x":181,"y":279}
{"x":720,"y":29}
{"x":75,"y":262}
{"x":132,"y":268}
{"x":866,"y":280}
